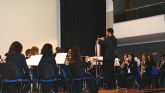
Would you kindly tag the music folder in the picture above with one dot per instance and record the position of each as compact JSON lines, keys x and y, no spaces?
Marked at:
{"x":60,"y":58}
{"x":33,"y":60}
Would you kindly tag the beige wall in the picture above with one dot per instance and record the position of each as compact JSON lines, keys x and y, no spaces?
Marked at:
{"x":109,"y":19}
{"x":109,"y":13}
{"x":32,"y":22}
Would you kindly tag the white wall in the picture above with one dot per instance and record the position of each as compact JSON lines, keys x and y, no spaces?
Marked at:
{"x":32,"y":22}
{"x":143,"y":26}
{"x":109,"y":5}
{"x":109,"y":13}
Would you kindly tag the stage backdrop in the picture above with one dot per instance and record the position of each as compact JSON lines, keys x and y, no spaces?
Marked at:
{"x":81,"y":22}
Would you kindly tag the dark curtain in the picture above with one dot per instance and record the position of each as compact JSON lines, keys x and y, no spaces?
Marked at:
{"x":81,"y":22}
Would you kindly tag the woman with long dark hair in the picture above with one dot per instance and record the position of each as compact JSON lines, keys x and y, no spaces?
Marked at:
{"x":16,"y":57}
{"x":77,"y":71}
{"x":145,"y":70}
{"x":48,"y":58}
{"x":47,"y":52}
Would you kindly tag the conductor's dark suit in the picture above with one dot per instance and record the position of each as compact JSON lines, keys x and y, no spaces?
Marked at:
{"x":110,"y":45}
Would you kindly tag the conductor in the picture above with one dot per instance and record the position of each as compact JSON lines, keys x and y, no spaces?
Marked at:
{"x":110,"y":45}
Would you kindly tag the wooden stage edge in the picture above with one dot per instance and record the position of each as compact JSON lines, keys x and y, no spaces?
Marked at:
{"x":158,"y":90}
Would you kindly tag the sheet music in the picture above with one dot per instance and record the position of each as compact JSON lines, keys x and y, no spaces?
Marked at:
{"x":60,"y":58}
{"x":117,"y":62}
{"x":33,"y":60}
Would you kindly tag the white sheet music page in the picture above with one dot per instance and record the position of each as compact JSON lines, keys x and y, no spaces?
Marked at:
{"x":33,"y":60}
{"x":60,"y":58}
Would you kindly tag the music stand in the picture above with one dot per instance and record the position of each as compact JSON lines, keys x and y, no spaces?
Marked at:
{"x":33,"y":60}
{"x":60,"y":58}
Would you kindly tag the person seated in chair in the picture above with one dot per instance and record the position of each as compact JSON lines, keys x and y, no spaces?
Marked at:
{"x":161,"y":68}
{"x":47,"y":52}
{"x":128,"y":71}
{"x":77,"y":71}
{"x":15,"y":56}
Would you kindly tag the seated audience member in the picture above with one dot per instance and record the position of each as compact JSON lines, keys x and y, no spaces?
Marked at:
{"x":28,"y":53}
{"x":76,"y":68}
{"x":15,"y":56}
{"x":47,"y":52}
{"x":161,"y":68}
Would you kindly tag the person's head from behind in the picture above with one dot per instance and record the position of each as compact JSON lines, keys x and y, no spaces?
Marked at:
{"x":75,"y":54}
{"x":162,"y":57}
{"x":58,"y":49}
{"x":109,"y":32}
{"x":34,"y":50}
{"x":15,"y":48}
{"x":28,"y":53}
{"x":47,"y":49}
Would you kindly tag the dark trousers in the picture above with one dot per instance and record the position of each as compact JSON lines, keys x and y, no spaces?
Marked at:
{"x":162,"y":79}
{"x":109,"y":74}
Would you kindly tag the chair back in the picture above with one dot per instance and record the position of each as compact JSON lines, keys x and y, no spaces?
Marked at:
{"x":65,"y":72}
{"x":45,"y":71}
{"x":154,"y":71}
{"x":138,"y":72}
{"x":34,"y":72}
{"x":1,"y":64}
{"x":10,"y":71}
{"x":76,"y":70}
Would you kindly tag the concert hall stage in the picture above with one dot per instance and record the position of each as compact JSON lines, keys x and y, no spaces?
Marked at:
{"x":159,"y":90}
